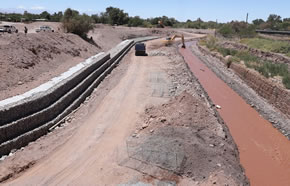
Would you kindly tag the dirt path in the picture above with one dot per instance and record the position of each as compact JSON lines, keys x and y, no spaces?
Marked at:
{"x":263,"y":150}
{"x":90,"y":151}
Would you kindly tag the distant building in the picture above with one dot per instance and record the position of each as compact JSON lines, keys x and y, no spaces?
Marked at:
{"x":39,"y":19}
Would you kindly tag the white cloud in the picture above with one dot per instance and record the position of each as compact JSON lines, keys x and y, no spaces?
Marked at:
{"x":37,"y":8}
{"x":21,"y":7}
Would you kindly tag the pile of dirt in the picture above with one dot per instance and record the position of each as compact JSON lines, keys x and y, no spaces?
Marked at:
{"x":184,"y":137}
{"x":26,"y":58}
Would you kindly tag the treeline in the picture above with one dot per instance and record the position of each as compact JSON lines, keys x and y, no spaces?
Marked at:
{"x":29,"y":17}
{"x":243,"y":29}
{"x":274,"y":22}
{"x":116,"y":16}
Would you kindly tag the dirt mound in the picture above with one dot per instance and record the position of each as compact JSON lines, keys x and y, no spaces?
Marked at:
{"x":24,"y":58}
{"x":183,"y":136}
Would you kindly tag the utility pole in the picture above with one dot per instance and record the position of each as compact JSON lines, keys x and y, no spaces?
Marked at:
{"x":247,"y":18}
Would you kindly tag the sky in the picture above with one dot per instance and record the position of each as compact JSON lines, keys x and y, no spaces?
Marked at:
{"x":182,"y":10}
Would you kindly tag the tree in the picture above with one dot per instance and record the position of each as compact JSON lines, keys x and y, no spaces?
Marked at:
{"x":135,"y":21}
{"x":274,"y":21}
{"x":56,"y":17}
{"x":117,"y":16}
{"x":78,"y":24}
{"x":45,"y":15}
{"x":258,"y":22}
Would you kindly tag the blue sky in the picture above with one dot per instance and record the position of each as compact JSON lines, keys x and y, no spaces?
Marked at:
{"x":223,"y":10}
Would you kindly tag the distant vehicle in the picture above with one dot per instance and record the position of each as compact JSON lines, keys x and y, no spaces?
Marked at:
{"x":8,"y":28}
{"x":140,"y":49}
{"x":44,"y":29}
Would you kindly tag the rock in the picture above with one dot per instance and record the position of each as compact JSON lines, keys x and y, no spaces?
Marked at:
{"x":69,"y":119}
{"x":151,"y":131}
{"x":211,"y":145}
{"x":144,"y":126}
{"x":218,"y":107}
{"x":3,"y":158}
{"x":20,"y":83}
{"x":219,"y":164}
{"x":228,"y":58}
{"x":162,"y":119}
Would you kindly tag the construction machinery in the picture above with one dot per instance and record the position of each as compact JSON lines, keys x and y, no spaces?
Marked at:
{"x":160,"y":24}
{"x":169,"y":41}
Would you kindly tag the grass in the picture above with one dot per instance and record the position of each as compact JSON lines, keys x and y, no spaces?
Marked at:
{"x":266,"y":68}
{"x":268,"y":45}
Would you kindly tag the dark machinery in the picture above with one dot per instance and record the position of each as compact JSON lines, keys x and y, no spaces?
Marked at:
{"x":140,"y":49}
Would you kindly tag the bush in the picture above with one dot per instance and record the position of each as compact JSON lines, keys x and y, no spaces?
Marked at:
{"x":226,"y":51}
{"x":78,"y":24}
{"x":240,"y":29}
{"x":226,"y":30}
{"x":286,"y":81}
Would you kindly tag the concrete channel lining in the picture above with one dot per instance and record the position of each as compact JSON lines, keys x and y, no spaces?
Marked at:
{"x":20,"y":132}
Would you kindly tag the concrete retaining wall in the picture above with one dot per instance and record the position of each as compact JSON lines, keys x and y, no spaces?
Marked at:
{"x":276,"y":95}
{"x":27,"y":117}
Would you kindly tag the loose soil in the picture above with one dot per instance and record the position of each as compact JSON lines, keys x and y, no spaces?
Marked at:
{"x":94,"y":145}
{"x":27,"y":61}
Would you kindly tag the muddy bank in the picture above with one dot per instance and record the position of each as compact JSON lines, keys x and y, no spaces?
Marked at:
{"x":267,"y":98}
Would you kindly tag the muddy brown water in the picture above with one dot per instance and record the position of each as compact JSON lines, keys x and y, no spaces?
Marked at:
{"x":264,"y":151}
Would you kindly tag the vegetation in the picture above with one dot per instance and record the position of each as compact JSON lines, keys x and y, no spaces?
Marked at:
{"x":116,"y":16}
{"x":78,"y":24}
{"x":269,"y":45}
{"x":266,"y":68}
{"x":237,"y":29}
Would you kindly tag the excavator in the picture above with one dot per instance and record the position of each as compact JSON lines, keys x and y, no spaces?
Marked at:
{"x":170,"y":40}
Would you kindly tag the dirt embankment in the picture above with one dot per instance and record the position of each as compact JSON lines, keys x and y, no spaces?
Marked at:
{"x":30,"y":60}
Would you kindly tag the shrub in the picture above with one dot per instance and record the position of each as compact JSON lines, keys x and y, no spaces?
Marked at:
{"x":78,"y":24}
{"x":226,"y":51}
{"x":286,"y":81}
{"x":226,"y":30}
{"x":240,"y":29}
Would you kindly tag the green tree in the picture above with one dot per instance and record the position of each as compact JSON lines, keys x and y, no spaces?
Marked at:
{"x":117,"y":16}
{"x":258,"y":22}
{"x":135,"y":21}
{"x":45,"y":15}
{"x":78,"y":24}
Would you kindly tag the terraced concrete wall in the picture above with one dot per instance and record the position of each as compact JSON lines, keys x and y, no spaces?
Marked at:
{"x":27,"y":117}
{"x":276,"y":95}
